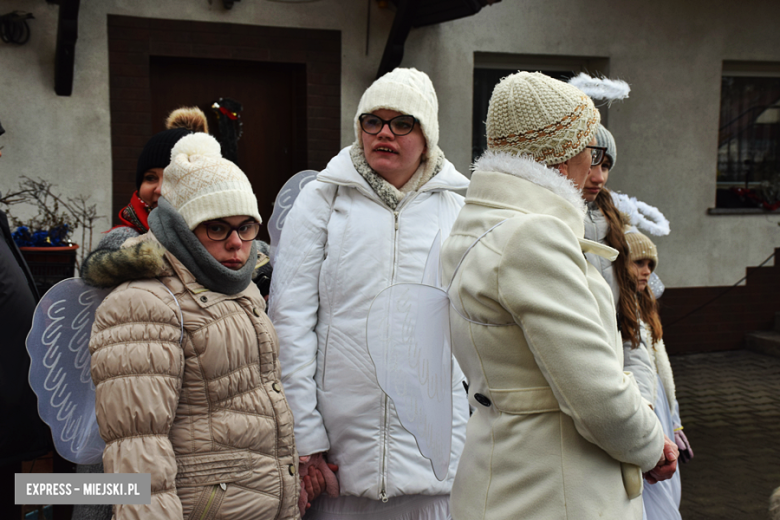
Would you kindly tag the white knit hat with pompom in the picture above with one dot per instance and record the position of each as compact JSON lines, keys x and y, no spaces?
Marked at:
{"x":202,"y":186}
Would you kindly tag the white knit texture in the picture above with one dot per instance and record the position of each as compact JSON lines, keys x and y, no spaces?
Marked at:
{"x":202,"y":186}
{"x":408,"y":91}
{"x":534,"y":114}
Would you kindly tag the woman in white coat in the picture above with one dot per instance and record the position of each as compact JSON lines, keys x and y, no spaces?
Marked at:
{"x":366,"y":222}
{"x":649,"y":363}
{"x":559,"y":431}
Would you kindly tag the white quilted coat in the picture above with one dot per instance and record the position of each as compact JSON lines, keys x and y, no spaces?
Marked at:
{"x":340,"y":246}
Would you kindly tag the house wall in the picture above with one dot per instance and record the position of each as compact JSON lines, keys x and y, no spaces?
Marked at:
{"x":670,"y":52}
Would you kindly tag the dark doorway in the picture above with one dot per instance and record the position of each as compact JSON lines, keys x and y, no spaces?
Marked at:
{"x":272,"y":146}
{"x":288,"y":80}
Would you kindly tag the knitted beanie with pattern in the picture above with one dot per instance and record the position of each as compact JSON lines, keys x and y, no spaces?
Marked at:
{"x":201,"y":185}
{"x":408,"y":91}
{"x":604,"y":138}
{"x":533,"y":114}
{"x":641,"y":247}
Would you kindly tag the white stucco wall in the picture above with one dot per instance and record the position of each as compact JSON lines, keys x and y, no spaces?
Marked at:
{"x":670,"y":52}
{"x":67,"y":140}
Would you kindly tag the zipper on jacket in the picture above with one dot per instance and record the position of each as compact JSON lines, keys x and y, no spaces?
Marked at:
{"x":211,"y":499}
{"x":395,"y":245}
{"x":383,"y":491}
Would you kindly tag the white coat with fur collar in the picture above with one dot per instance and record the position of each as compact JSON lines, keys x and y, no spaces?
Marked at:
{"x":555,"y":413}
{"x":340,"y":246}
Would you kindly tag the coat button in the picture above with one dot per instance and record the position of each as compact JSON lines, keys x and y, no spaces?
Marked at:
{"x":204,"y":299}
{"x":481,"y":399}
{"x":256,"y":311}
{"x":291,"y":468}
{"x":277,"y":387}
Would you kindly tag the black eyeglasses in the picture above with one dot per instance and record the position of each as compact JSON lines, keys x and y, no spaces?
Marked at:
{"x":597,"y":154}
{"x":400,"y":125}
{"x":218,"y":231}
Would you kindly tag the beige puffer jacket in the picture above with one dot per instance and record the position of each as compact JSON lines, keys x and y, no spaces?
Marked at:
{"x":200,"y":408}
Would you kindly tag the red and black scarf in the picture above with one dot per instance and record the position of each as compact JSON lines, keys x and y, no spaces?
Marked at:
{"x":135,"y":215}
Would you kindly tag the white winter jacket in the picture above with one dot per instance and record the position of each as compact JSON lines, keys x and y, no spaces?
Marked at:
{"x":596,"y":229}
{"x":340,"y":246}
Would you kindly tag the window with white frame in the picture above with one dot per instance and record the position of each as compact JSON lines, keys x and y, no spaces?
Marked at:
{"x":490,"y":68}
{"x":749,"y":136}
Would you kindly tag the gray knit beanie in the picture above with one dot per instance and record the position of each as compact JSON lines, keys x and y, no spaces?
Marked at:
{"x":604,"y":138}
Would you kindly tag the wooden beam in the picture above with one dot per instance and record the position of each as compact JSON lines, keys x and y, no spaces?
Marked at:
{"x":67,"y":34}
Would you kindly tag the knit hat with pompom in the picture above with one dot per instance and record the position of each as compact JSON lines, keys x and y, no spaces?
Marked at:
{"x":534,"y":114}
{"x":157,"y":150}
{"x":202,"y":186}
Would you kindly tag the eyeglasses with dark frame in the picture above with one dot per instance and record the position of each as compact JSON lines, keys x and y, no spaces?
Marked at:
{"x":219,"y":230}
{"x":399,"y":125}
{"x":597,"y":154}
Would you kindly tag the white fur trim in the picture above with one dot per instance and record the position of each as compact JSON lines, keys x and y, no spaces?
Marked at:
{"x":642,"y":215}
{"x":660,"y":359}
{"x":525,"y":167}
{"x":197,"y":144}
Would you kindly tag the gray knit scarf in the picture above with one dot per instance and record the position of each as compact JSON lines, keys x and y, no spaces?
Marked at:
{"x":172,"y":231}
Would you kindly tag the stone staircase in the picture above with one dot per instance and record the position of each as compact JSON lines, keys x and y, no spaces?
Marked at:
{"x":765,"y":341}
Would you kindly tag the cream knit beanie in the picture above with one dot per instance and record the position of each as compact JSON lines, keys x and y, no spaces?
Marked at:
{"x":408,"y":91}
{"x":202,"y":186}
{"x":533,"y":114}
{"x":641,"y":247}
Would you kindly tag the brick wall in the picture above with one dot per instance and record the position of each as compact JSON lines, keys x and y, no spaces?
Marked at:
{"x":722,"y":324}
{"x":131,"y":42}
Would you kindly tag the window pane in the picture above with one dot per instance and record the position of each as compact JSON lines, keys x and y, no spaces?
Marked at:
{"x":749,"y":134}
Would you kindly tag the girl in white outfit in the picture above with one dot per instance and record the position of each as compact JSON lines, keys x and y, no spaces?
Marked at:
{"x":651,"y":368}
{"x":366,"y":222}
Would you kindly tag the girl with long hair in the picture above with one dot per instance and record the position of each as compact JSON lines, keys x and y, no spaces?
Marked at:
{"x":649,"y":363}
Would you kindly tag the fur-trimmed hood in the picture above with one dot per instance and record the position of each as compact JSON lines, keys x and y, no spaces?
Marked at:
{"x":527,"y":168}
{"x":139,"y":258}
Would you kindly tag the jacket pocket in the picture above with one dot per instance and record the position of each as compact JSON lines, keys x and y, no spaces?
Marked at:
{"x":212,"y":468}
{"x":324,"y":354}
{"x":209,"y":502}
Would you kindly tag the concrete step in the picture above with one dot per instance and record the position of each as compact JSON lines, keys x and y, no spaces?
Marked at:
{"x":764,"y":342}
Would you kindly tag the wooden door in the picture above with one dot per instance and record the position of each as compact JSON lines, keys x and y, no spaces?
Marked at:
{"x":272,"y":146}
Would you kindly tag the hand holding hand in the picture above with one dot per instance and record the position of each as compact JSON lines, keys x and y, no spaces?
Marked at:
{"x":316,"y":476}
{"x":666,"y":466}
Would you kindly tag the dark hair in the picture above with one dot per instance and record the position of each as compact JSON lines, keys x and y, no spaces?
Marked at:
{"x":628,"y":320}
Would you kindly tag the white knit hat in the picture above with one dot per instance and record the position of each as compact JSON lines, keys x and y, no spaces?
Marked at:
{"x":408,"y":91}
{"x":533,"y":114}
{"x":202,"y":186}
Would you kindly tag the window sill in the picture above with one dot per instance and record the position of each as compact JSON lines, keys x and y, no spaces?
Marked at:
{"x":741,"y":211}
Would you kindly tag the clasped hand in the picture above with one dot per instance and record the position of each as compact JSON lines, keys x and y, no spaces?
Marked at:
{"x":667,"y":465}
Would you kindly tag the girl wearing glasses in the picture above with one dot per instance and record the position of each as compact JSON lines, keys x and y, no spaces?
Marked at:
{"x":366,"y":222}
{"x":185,"y":361}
